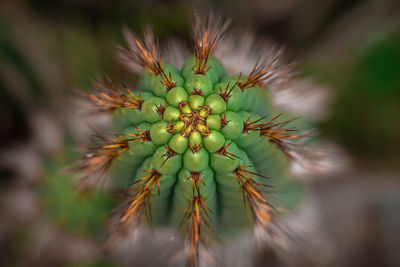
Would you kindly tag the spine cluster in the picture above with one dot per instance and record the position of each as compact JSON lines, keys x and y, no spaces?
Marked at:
{"x":188,"y":139}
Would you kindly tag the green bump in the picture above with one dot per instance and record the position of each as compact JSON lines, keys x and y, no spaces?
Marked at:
{"x":226,"y":163}
{"x":195,"y":139}
{"x":214,"y":122}
{"x":214,"y":67}
{"x":196,"y":161}
{"x":158,"y":88}
{"x":157,"y":84}
{"x":196,"y":101}
{"x":233,"y":94}
{"x":251,"y":138}
{"x":216,"y":103}
{"x":159,"y":134}
{"x":214,"y":141}
{"x":141,"y":148}
{"x":149,"y":109}
{"x":199,"y":82}
{"x":171,"y":114}
{"x":186,"y":109}
{"x":234,"y":128}
{"x":164,"y":164}
{"x":179,"y":143}
{"x":177,"y":95}
{"x":178,"y":126}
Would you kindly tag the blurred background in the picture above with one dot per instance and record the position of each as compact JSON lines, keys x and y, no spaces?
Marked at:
{"x":50,"y":49}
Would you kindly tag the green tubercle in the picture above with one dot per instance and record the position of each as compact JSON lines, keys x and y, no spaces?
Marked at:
{"x":196,"y":161}
{"x":177,"y":95}
{"x":179,"y":143}
{"x":216,"y":104}
{"x":214,"y":141}
{"x":214,"y":122}
{"x":209,"y":139}
{"x":159,"y":134}
{"x":149,"y":109}
{"x":226,"y":160}
{"x":234,"y":127}
{"x":196,"y":101}
{"x":166,"y":161}
{"x":171,"y":114}
{"x":199,"y":82}
{"x":140,"y":148}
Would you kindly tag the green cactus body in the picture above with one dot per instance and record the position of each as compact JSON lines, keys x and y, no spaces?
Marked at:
{"x":196,"y":145}
{"x":197,"y":129}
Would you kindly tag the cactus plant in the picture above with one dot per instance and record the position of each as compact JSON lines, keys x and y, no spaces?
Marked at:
{"x":194,"y":145}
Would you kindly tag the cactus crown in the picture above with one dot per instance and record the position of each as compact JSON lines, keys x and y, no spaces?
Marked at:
{"x":191,"y":142}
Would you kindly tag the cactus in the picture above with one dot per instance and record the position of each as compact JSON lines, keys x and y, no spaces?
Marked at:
{"x":195,"y":146}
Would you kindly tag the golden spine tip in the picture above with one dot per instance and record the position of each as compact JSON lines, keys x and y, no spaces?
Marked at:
{"x":107,"y":96}
{"x":166,"y":80}
{"x":144,"y":52}
{"x":264,"y":71}
{"x":205,"y":37}
{"x":143,"y":136}
{"x":98,"y":159}
{"x":278,"y":134}
{"x":198,"y":223}
{"x":141,"y":198}
{"x":252,"y":193}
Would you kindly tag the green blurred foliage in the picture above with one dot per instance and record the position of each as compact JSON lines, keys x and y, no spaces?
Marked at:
{"x":85,"y":213}
{"x":366,"y":113}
